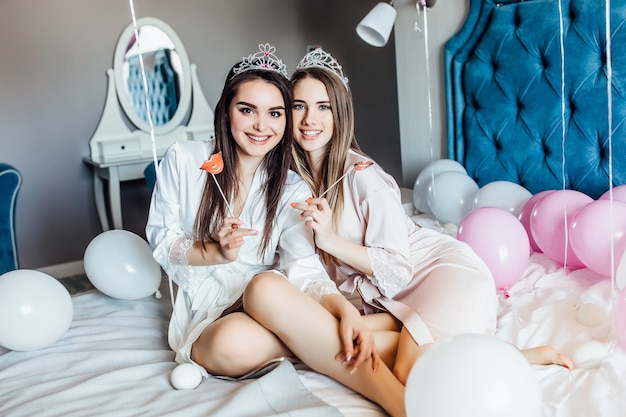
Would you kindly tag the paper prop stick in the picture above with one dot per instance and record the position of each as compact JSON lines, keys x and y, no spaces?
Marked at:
{"x":359,"y":166}
{"x":215,"y":165}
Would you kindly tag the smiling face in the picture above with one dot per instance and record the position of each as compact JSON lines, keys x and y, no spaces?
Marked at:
{"x":257,"y":118}
{"x":312,"y":116}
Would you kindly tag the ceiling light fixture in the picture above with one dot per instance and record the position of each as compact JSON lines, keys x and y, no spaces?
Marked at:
{"x":376,"y":26}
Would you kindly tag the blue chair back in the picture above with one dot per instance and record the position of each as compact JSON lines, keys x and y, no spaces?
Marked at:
{"x":10,"y":182}
{"x":149,"y":173}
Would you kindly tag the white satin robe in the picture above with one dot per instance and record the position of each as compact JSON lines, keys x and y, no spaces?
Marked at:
{"x":207,"y":291}
{"x":436,"y":285}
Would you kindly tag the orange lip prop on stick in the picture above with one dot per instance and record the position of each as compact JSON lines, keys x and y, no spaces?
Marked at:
{"x":215,"y":165}
{"x":359,"y":166}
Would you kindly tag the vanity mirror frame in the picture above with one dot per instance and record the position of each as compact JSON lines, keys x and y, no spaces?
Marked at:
{"x":122,"y":136}
{"x":121,"y":74}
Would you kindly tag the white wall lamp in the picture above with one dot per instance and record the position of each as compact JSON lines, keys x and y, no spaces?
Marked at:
{"x":376,"y":26}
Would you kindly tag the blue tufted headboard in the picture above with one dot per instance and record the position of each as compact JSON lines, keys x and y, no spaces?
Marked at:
{"x":503,"y":94}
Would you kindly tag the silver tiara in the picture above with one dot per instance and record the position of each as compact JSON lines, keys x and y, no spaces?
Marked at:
{"x":320,"y":59}
{"x":263,"y":60}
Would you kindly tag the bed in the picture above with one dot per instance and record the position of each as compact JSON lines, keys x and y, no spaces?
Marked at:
{"x":507,"y":70}
{"x":504,"y":113}
{"x":114,"y":360}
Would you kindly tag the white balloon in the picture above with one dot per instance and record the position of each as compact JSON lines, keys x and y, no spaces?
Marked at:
{"x":186,"y":376}
{"x":422,"y":183}
{"x":591,"y":315}
{"x":35,"y":310}
{"x":472,"y":375}
{"x":119,"y":263}
{"x":450,"y":196}
{"x":591,"y":354}
{"x":506,"y":195}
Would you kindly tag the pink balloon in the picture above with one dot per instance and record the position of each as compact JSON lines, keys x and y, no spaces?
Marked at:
{"x":596,"y":228}
{"x":547,"y":224}
{"x":499,"y":239}
{"x":619,"y":193}
{"x":524,"y":216}
{"x":620,"y":320}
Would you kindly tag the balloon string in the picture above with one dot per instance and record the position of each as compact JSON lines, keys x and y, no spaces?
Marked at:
{"x":609,"y":92}
{"x":429,"y":97}
{"x":144,"y":80}
{"x":563,"y":179}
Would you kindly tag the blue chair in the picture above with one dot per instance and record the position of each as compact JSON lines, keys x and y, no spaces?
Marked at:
{"x":150,"y":175}
{"x":10,"y":182}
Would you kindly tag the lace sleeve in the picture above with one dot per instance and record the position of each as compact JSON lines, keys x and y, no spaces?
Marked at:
{"x":179,"y":268}
{"x":390,"y":278}
{"x":178,"y":251}
{"x":320,"y":289}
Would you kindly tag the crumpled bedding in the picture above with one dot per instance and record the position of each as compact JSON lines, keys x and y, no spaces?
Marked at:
{"x":114,"y":361}
{"x":542,"y":310}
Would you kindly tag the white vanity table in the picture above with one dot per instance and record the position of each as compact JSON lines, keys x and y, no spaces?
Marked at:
{"x":114,"y":173}
{"x":125,"y":142}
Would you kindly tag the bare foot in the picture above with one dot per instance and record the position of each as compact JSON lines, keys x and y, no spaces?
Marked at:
{"x":547,"y":355}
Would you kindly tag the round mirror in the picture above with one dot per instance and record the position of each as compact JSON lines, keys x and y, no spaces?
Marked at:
{"x":158,"y":53}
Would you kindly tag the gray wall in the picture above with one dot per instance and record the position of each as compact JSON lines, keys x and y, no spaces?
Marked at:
{"x":417,"y":71}
{"x":53,"y":85}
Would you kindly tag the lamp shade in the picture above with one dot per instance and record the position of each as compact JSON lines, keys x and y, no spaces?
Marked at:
{"x":376,"y":26}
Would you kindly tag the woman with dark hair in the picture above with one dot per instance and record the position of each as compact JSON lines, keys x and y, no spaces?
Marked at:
{"x":251,"y":288}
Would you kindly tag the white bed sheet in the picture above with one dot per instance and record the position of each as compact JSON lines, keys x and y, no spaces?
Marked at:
{"x":542,"y":309}
{"x":114,"y":360}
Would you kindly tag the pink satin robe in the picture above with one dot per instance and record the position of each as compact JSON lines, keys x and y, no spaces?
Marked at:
{"x":436,"y":285}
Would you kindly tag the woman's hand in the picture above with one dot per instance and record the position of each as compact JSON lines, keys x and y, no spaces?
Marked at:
{"x":319,"y":217}
{"x":231,"y":237}
{"x":358,"y":342}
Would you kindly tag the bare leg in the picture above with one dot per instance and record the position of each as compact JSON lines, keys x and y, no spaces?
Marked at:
{"x":235,"y":345}
{"x":387,"y":335}
{"x":312,"y":334}
{"x":408,"y":353}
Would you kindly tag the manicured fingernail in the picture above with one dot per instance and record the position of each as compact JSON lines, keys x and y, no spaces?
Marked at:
{"x":293,"y":205}
{"x":308,"y":200}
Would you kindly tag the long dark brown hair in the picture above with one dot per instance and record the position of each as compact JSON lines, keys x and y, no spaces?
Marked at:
{"x":276,"y":163}
{"x":342,"y":141}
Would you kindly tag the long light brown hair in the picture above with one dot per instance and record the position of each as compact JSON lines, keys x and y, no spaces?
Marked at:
{"x":342,"y":140}
{"x":276,"y":163}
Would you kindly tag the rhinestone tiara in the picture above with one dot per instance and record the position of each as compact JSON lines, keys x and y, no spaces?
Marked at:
{"x":320,"y":59}
{"x":263,"y":60}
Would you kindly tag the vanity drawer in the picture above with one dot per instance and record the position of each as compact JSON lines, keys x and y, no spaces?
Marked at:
{"x":120,"y":149}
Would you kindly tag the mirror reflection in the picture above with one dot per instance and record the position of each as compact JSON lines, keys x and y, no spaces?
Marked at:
{"x":163,"y":69}
{"x":156,"y":47}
